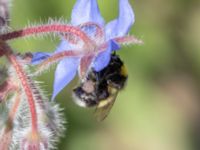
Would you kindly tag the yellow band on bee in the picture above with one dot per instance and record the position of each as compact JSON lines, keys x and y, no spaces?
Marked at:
{"x":124,"y":71}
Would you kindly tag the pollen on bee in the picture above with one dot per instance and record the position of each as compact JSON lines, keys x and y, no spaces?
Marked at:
{"x":89,"y":86}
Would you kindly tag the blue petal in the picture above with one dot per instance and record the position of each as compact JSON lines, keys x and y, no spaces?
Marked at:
{"x":121,"y":25}
{"x":114,"y":45}
{"x":90,"y":31}
{"x":86,"y":11}
{"x":39,"y":57}
{"x":65,"y":72}
{"x":63,"y":46}
{"x":103,"y":59}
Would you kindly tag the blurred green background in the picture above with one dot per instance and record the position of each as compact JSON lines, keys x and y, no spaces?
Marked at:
{"x":160,"y":107}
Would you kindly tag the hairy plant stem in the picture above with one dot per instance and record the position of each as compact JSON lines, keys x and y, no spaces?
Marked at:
{"x":6,"y":137}
{"x":15,"y":107}
{"x":48,"y":29}
{"x":22,"y":76}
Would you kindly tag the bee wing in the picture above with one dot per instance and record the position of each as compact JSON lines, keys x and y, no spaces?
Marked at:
{"x":103,"y":108}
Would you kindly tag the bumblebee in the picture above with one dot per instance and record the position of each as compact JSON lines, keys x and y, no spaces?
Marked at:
{"x":100,"y":89}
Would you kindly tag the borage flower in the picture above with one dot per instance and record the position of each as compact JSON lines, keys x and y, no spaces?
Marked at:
{"x":74,"y":55}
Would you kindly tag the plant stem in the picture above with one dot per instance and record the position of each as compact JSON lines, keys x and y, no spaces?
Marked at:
{"x":24,"y":81}
{"x":47,"y":29}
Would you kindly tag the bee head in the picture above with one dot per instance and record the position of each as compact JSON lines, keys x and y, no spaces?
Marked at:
{"x":84,"y":95}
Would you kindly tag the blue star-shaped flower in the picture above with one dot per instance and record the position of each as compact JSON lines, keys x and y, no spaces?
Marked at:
{"x":105,"y":39}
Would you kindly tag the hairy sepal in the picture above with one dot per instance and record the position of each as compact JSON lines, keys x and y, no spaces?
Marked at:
{"x":17,"y":132}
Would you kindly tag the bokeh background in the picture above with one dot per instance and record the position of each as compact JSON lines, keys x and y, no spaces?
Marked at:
{"x":160,"y":107}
